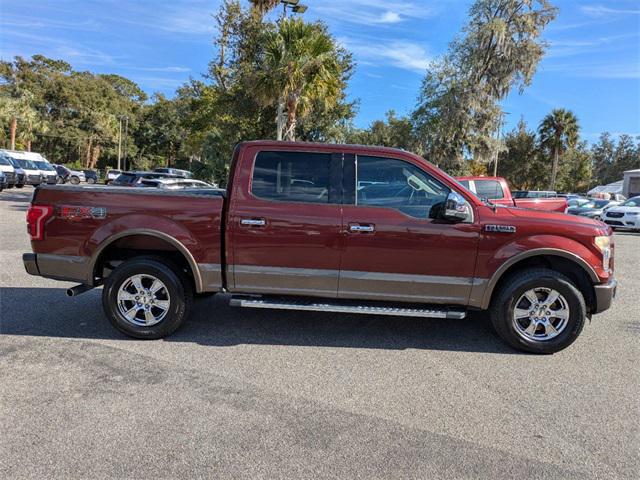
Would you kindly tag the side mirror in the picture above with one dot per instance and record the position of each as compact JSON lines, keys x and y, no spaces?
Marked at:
{"x":456,"y":208}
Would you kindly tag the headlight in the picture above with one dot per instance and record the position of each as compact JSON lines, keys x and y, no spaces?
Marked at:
{"x":603,"y":243}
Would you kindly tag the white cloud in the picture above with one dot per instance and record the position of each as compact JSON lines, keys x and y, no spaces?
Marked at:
{"x":370,"y":12}
{"x":570,"y":47}
{"x":602,"y":11}
{"x":397,"y":53}
{"x":390,"y":17}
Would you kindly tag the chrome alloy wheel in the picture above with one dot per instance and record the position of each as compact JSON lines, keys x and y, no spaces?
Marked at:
{"x":143,"y":300}
{"x":540,"y":314}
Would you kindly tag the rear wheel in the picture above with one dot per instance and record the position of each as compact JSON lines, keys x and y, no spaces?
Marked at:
{"x":74,"y":180}
{"x":91,"y":180}
{"x":538,"y":311}
{"x":147,"y":297}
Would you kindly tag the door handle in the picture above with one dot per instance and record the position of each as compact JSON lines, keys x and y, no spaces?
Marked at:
{"x":253,"y":222}
{"x":361,"y":228}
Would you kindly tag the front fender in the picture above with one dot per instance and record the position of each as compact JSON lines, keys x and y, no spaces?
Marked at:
{"x":498,"y":262}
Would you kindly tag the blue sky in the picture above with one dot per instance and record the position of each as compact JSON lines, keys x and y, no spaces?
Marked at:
{"x":592,"y":66}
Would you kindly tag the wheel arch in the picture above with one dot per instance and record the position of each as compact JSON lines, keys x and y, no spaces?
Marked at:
{"x":98,"y":257}
{"x":567,"y":263}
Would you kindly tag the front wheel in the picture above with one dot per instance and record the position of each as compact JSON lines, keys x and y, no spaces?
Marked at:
{"x":91,"y":180}
{"x":538,"y":311}
{"x":147,"y":297}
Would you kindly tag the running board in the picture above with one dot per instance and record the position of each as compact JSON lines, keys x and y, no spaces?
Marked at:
{"x":290,"y":304}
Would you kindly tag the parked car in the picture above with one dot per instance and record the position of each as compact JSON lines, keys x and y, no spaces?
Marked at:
{"x":576,"y":202}
{"x":7,"y":168}
{"x":625,"y":215}
{"x":496,"y":190}
{"x":293,"y":231}
{"x":3,"y":181}
{"x":66,"y":175}
{"x":134,"y":179}
{"x":91,"y":176}
{"x":111,"y":176}
{"x":175,"y":172}
{"x":174,"y":183}
{"x":592,"y":208}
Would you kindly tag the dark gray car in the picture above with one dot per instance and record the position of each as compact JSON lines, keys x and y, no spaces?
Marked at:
{"x":592,"y":209}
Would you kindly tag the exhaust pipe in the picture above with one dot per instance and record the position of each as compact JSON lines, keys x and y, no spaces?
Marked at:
{"x":78,"y":289}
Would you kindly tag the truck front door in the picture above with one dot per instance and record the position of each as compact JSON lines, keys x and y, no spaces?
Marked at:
{"x":285,"y":221}
{"x":393,"y":249}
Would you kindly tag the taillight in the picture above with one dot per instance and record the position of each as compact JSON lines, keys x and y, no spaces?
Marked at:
{"x":36,"y":216}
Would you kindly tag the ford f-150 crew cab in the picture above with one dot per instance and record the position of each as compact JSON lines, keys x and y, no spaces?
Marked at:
{"x":336,"y":228}
{"x":496,"y":190}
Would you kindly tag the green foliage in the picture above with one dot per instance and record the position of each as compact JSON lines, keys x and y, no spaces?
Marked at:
{"x":395,"y":132}
{"x":559,"y":131}
{"x":612,"y":158}
{"x":458,"y":115}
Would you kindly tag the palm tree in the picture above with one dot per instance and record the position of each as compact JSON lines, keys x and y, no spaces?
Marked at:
{"x":300,"y":67}
{"x":263,"y":6}
{"x":559,"y":132}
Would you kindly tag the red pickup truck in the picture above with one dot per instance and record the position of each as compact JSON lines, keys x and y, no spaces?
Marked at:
{"x":496,"y":190}
{"x":335,"y":228}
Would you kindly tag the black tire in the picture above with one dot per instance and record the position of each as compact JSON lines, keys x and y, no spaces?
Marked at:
{"x":504,"y":303}
{"x":20,"y":186}
{"x":74,"y":181}
{"x":91,"y":180}
{"x":10,"y":186}
{"x":178,"y":286}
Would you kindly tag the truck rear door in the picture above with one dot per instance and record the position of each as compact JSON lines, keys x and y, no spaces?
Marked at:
{"x":284,"y":222}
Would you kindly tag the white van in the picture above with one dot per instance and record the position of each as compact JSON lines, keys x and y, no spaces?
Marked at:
{"x":32,"y":172}
{"x":47,"y":171}
{"x":7,"y":168}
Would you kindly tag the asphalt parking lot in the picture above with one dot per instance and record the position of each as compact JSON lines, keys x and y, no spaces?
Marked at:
{"x":265,"y":394}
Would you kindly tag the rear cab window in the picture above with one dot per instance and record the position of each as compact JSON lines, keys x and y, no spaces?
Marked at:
{"x":291,"y":177}
{"x":489,"y":189}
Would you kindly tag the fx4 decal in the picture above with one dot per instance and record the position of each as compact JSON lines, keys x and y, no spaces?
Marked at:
{"x":78,"y":213}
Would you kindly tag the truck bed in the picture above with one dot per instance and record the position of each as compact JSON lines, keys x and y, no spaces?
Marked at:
{"x":89,"y":219}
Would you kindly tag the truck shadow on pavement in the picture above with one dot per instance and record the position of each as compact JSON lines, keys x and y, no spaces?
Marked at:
{"x":48,"y":312}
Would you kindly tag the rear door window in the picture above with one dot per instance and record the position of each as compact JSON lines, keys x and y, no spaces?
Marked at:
{"x":291,"y":177}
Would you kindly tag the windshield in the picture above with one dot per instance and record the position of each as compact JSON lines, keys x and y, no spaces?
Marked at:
{"x":632,"y":202}
{"x":42,"y":165}
{"x":26,"y":164}
{"x":4,"y":161}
